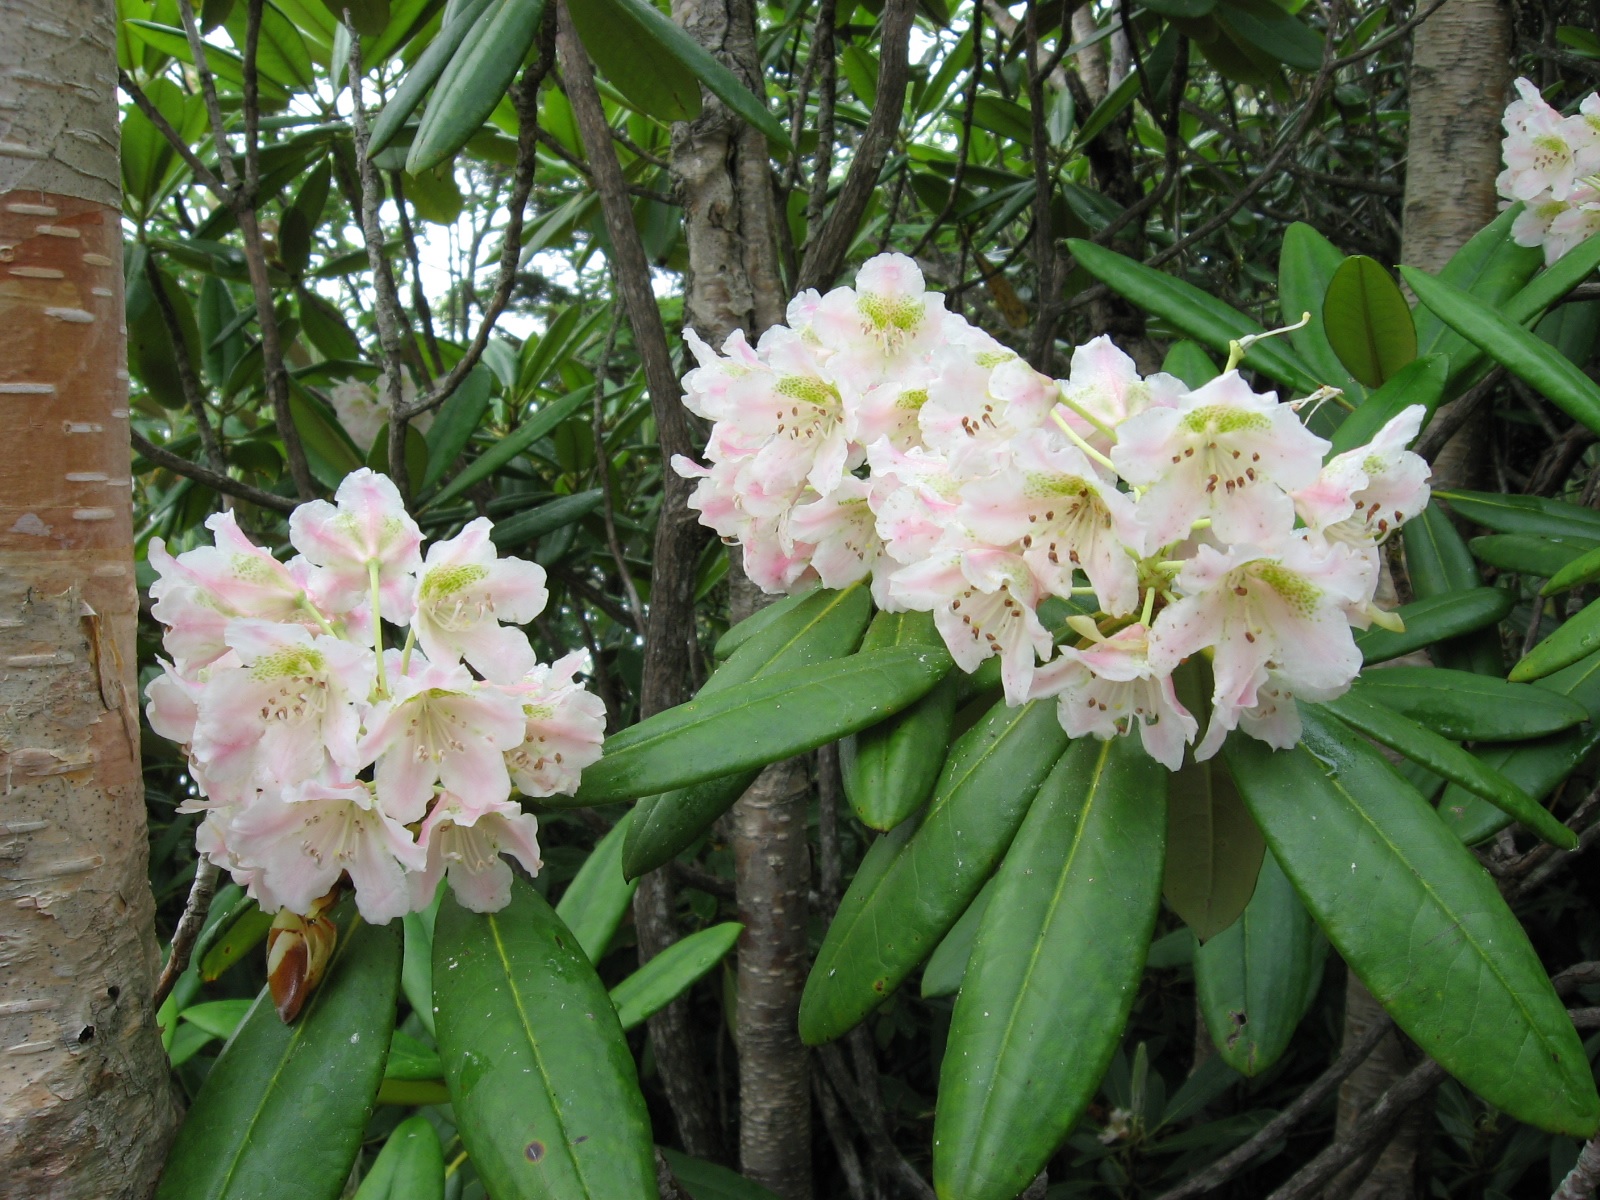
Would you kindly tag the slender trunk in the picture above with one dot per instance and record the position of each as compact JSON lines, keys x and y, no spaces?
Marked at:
{"x":1460,"y":71}
{"x":724,"y":180}
{"x":1460,"y":63}
{"x":86,"y":1108}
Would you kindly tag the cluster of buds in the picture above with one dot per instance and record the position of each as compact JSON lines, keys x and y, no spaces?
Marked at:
{"x":318,"y":754}
{"x":880,"y":435}
{"x":1553,"y":167}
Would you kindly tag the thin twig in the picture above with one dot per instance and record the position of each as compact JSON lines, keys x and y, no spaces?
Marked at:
{"x":1230,"y":1164}
{"x":201,"y":892}
{"x":202,"y":173}
{"x":602,"y":463}
{"x":419,"y":298}
{"x":855,"y":1179}
{"x":827,"y":88}
{"x":208,"y":92}
{"x":968,"y":112}
{"x":825,"y":254}
{"x":1457,"y":413}
{"x":193,"y":394}
{"x":387,"y":312}
{"x":1375,"y":1127}
{"x":525,"y":98}
{"x":214,"y":480}
{"x":1584,"y":1177}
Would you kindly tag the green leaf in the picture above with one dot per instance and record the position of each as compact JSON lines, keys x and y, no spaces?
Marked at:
{"x":1492,"y":267}
{"x":416,"y":968}
{"x":281,"y":52}
{"x":370,"y":17}
{"x":1419,"y":921}
{"x":325,"y":327}
{"x":823,"y":626}
{"x":1271,"y":30}
{"x":916,"y":881}
{"x":228,"y":941}
{"x":648,"y":27}
{"x":409,"y":1167}
{"x":1189,"y":363}
{"x":1443,"y":757}
{"x":1197,"y":313}
{"x":540,"y":424}
{"x":455,"y":421}
{"x":1512,"y":346}
{"x":598,"y":896}
{"x":889,"y":770}
{"x":759,"y":722}
{"x":416,"y":452}
{"x":1421,"y":381}
{"x":1577,"y":637}
{"x":476,"y":79}
{"x":620,"y":39}
{"x":1191,"y":9}
{"x":225,"y":64}
{"x":672,"y":972}
{"x":423,"y":74}
{"x":738,"y":634}
{"x":1213,"y":849}
{"x":541,"y":1079}
{"x":329,"y":450}
{"x":1433,"y":620}
{"x":947,"y":965}
{"x":1467,"y":707}
{"x":707,"y":1181}
{"x":411,"y":1059}
{"x":219,"y":1018}
{"x":517,"y":531}
{"x":1581,"y":570}
{"x":1054,"y":970}
{"x":1524,"y":514}
{"x":1368,"y":321}
{"x":298,"y":1093}
{"x":1438,"y":562}
{"x":1255,"y":980}
{"x":1527,"y":554}
{"x":1307,"y":263}
{"x":435,"y":194}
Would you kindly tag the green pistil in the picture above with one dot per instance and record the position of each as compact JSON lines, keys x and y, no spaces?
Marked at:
{"x":440,"y":582}
{"x":1296,"y":590}
{"x":281,"y":664}
{"x":1225,"y":419}
{"x":809,"y":389}
{"x":891,"y":312}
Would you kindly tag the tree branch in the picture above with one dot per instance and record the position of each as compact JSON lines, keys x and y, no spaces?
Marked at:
{"x":824,"y":257}
{"x":201,"y":893}
{"x":214,"y":480}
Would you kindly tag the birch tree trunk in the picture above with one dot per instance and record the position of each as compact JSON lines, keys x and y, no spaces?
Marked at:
{"x":86,"y":1108}
{"x":724,"y":180}
{"x":1460,"y":67}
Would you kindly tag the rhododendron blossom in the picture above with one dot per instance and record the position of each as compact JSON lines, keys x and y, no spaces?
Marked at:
{"x":1553,"y":167}
{"x":1093,"y":533}
{"x":319,"y":754}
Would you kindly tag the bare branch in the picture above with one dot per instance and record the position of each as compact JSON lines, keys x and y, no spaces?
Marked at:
{"x":214,"y":480}
{"x":1584,"y":1177}
{"x":176,"y":140}
{"x":201,"y":892}
{"x":826,"y":252}
{"x":193,"y":393}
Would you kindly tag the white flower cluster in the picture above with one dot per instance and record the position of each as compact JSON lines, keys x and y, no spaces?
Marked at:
{"x":878,"y":434}
{"x":1553,"y":166}
{"x":318,"y":753}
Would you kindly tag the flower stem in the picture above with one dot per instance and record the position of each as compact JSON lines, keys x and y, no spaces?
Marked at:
{"x":405,"y":655}
{"x":322,"y":621}
{"x":1079,"y":410}
{"x":377,"y":625}
{"x":1083,"y":445}
{"x":1149,"y":607}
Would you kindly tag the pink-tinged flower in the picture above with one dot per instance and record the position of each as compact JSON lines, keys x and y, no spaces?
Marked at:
{"x":842,"y":531}
{"x":977,"y":405}
{"x":465,"y":591}
{"x":1538,"y":153}
{"x":709,"y":390}
{"x":1065,"y":517}
{"x":440,"y":726}
{"x":1364,"y":494}
{"x":982,"y":602}
{"x":1280,"y":610}
{"x":1226,"y":453}
{"x":1573,"y":225}
{"x":173,"y":705}
{"x":1104,"y":389}
{"x":302,"y":843}
{"x":563,"y":728}
{"x":887,"y":318}
{"x":368,"y":529}
{"x":1110,"y":688}
{"x":774,"y":561}
{"x":890,"y":412}
{"x":464,"y":841}
{"x":364,"y":413}
{"x":285,"y":712}
{"x":201,"y":590}
{"x":915,"y":497}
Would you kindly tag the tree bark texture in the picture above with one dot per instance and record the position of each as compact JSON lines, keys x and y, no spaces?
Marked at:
{"x":1460,"y":72}
{"x":724,"y":181}
{"x":86,"y":1108}
{"x":669,"y":630}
